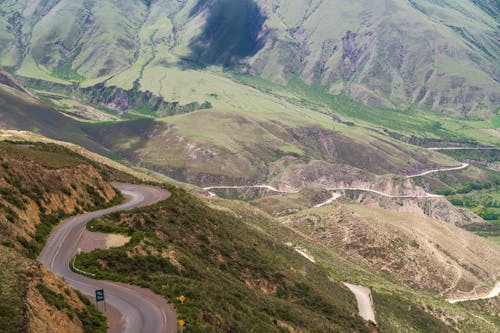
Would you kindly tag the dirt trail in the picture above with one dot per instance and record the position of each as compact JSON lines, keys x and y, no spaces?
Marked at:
{"x":334,"y":197}
{"x":264,"y":186}
{"x":427,"y":195}
{"x":493,"y":293}
{"x":463,"y":166}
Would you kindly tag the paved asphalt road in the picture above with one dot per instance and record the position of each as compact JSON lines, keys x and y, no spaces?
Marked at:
{"x":130,"y":309}
{"x":364,"y":299}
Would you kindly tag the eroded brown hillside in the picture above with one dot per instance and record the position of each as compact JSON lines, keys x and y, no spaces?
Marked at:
{"x":420,"y":252}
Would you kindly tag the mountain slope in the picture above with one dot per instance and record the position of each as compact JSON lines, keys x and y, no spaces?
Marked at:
{"x":21,"y":111}
{"x":326,"y":236}
{"x":418,"y":251}
{"x":274,"y":143}
{"x":436,"y":54}
{"x":39,"y":184}
{"x":235,"y":278}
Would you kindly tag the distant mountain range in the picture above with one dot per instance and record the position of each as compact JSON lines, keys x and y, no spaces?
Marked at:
{"x":437,"y":54}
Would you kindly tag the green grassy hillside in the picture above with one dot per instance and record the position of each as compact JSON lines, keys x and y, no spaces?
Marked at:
{"x":435,"y":54}
{"x":268,"y":133}
{"x":23,"y":112}
{"x":247,"y":274}
{"x":235,"y":278}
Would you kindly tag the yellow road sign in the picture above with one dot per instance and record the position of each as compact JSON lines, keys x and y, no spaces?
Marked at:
{"x":181,"y":298}
{"x":181,"y":323}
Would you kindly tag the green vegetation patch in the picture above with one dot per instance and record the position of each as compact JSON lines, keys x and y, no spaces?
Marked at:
{"x":13,"y":287}
{"x":398,"y":311}
{"x":473,"y":188}
{"x":92,"y":320}
{"x":35,"y":246}
{"x":66,"y":72}
{"x":488,"y":155}
{"x":490,"y":231}
{"x":53,"y":298}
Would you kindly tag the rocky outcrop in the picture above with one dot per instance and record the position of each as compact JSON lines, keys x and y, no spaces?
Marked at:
{"x":338,"y":176}
{"x":116,"y":98}
{"x":437,"y":208}
{"x":122,"y":100}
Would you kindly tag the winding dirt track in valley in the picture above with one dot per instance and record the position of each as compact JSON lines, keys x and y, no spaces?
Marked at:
{"x":427,"y":195}
{"x":462,"y":148}
{"x":334,"y":197}
{"x":363,"y":294}
{"x":263,"y":186}
{"x":130,"y":309}
{"x":493,"y":293}
{"x":463,"y":166}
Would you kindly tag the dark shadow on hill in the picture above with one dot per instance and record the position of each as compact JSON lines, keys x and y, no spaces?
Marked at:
{"x":231,"y":33}
{"x":124,"y":138}
{"x":20,"y":114}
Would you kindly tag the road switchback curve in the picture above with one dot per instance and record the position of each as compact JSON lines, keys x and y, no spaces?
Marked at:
{"x":130,"y":309}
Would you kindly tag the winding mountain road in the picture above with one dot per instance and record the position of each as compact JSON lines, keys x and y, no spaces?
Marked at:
{"x":334,"y":197}
{"x":463,"y":148}
{"x":463,"y":166}
{"x":263,"y":186}
{"x":492,"y":293}
{"x":130,"y":309}
{"x":426,"y":195}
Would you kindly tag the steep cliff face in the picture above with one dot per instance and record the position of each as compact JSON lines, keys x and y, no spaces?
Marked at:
{"x":113,"y":97}
{"x":123,"y":100}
